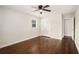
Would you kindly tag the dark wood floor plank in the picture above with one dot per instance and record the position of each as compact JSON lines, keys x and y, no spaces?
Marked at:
{"x":68,"y":46}
{"x":42,"y":45}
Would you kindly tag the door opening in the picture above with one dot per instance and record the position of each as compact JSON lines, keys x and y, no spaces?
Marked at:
{"x":69,"y":28}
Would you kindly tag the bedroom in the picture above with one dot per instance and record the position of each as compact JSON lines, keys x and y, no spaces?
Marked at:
{"x":24,"y":25}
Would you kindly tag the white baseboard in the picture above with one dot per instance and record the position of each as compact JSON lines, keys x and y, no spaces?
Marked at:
{"x":12,"y":43}
{"x":52,"y":36}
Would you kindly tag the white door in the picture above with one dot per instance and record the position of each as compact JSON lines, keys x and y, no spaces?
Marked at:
{"x":69,"y":27}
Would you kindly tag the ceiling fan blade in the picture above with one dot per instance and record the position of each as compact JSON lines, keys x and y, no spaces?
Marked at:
{"x":46,"y":6}
{"x":47,"y":10}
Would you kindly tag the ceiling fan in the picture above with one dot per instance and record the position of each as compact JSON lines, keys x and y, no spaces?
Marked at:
{"x":42,"y":8}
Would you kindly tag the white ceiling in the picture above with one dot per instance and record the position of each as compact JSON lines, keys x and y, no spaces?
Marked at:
{"x":54,"y":8}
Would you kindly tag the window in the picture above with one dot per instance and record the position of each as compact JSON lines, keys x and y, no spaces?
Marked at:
{"x":33,"y":23}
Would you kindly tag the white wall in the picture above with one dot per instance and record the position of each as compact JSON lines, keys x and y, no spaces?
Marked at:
{"x":16,"y":26}
{"x":77,"y":28}
{"x":52,"y":25}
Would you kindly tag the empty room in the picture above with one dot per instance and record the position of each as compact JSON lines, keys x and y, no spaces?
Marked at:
{"x":39,"y":29}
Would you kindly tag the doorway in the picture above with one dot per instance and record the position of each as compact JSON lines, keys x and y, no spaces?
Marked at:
{"x":69,"y":29}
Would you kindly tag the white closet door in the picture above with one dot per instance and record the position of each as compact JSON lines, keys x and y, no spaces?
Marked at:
{"x":69,"y":27}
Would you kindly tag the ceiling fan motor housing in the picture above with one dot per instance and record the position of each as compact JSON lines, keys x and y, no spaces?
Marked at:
{"x":40,"y":6}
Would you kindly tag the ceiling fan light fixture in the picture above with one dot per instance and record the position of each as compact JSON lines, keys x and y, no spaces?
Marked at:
{"x":40,"y":10}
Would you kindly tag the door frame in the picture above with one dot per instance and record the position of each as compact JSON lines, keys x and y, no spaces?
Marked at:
{"x":73,"y":26}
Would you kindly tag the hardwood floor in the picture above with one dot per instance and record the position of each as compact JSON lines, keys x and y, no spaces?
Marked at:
{"x":42,"y":45}
{"x":68,"y":45}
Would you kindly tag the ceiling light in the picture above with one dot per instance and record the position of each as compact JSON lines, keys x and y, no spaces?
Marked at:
{"x":40,"y":10}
